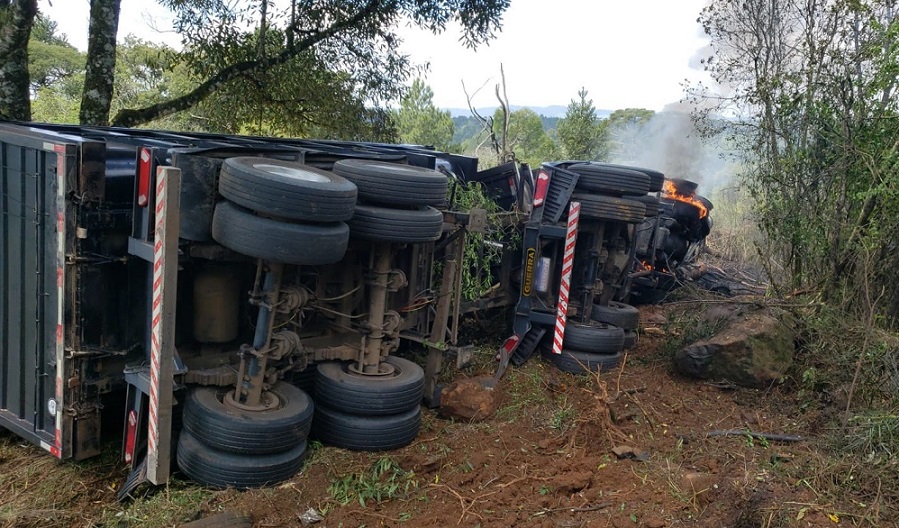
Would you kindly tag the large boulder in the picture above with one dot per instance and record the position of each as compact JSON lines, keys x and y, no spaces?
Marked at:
{"x":754,"y":349}
{"x":471,"y":400}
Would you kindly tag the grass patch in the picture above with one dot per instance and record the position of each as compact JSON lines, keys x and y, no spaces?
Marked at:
{"x":830,"y":349}
{"x":526,"y":394}
{"x":685,"y":326}
{"x":37,"y":491}
{"x":177,"y":503}
{"x":858,"y":467}
{"x":384,"y":480}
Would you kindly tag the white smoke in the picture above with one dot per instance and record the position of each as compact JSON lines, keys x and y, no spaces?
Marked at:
{"x":669,"y":142}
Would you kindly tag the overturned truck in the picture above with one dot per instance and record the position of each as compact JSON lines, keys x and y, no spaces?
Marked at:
{"x":217,"y":299}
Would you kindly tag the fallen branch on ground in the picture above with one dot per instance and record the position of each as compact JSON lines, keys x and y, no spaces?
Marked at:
{"x":745,"y":432}
{"x":595,"y":507}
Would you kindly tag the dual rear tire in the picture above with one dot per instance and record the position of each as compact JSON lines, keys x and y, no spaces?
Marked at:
{"x":368,"y":413}
{"x":223,"y":446}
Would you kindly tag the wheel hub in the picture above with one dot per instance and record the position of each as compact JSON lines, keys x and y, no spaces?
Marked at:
{"x":384,"y":369}
{"x":292,"y":172}
{"x":267,"y":402}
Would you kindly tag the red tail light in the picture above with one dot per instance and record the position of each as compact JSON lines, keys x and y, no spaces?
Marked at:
{"x":541,"y":188}
{"x":130,"y":436}
{"x":143,"y":178}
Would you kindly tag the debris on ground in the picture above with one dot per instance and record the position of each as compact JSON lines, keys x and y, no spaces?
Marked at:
{"x":628,"y":452}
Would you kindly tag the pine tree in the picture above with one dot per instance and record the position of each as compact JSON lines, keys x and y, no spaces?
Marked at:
{"x":579,"y":131}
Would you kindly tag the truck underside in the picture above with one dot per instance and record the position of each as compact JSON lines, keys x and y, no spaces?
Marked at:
{"x":199,"y":292}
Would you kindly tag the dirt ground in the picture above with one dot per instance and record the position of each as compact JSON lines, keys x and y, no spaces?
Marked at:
{"x":545,"y":459}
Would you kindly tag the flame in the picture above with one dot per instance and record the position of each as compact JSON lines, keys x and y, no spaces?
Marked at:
{"x":649,"y":267}
{"x":670,"y":191}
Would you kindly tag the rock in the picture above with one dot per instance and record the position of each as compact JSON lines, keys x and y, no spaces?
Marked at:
{"x":754,"y":349}
{"x":717,"y":313}
{"x":467,"y":400}
{"x":625,"y":451}
{"x":654,"y":522}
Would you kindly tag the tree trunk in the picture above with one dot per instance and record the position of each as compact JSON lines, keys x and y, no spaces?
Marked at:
{"x":16,"y":19}
{"x":99,"y":73}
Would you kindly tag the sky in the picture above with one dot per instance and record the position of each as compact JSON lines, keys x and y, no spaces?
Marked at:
{"x":626,"y":53}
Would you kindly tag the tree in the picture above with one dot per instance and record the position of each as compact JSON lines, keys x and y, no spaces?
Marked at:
{"x":99,"y":75}
{"x":16,"y":19}
{"x":526,"y":137}
{"x":146,"y":73}
{"x":814,"y":84}
{"x":51,"y":59}
{"x":345,"y":49}
{"x":419,"y":122}
{"x":579,"y":130}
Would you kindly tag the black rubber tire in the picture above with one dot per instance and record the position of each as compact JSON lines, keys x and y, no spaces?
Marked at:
{"x":224,"y":428}
{"x":287,"y":190}
{"x":651,"y":202}
{"x":656,"y":178}
{"x":630,"y":339}
{"x":340,"y":388}
{"x":684,"y":186}
{"x":610,"y":180}
{"x":303,"y":379}
{"x":309,"y":244}
{"x":618,"y":314}
{"x":366,"y":433}
{"x":410,"y":226}
{"x":595,"y":338}
{"x":582,"y":362}
{"x":381,"y":182}
{"x":598,"y":207}
{"x":220,"y":469}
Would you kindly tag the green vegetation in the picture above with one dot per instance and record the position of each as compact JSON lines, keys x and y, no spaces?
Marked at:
{"x":383,"y":481}
{"x":528,"y":398}
{"x":175,"y":504}
{"x":816,"y":141}
{"x":326,"y":69}
{"x":419,"y":122}
{"x":482,"y":251}
{"x":580,"y":131}
{"x":38,"y":491}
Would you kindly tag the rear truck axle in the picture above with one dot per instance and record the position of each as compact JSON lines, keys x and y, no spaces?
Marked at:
{"x":379,"y":281}
{"x":250,"y":380}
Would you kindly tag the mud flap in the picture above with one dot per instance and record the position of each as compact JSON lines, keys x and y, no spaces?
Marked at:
{"x":528,"y":346}
{"x":137,"y":477}
{"x":505,"y":353}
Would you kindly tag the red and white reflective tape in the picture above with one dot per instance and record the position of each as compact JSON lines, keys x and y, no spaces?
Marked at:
{"x":60,"y":150}
{"x":155,"y":325}
{"x":574,"y":215}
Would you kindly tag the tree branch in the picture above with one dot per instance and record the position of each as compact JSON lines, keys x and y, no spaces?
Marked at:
{"x":130,"y":118}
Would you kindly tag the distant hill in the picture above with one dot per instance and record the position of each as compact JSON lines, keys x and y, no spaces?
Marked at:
{"x":546,"y":111}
